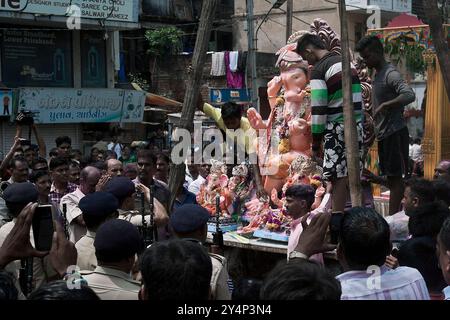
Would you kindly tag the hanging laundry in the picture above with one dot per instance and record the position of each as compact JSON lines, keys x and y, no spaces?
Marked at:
{"x":235,"y":80}
{"x":218,"y":67}
{"x":234,"y":61}
{"x":242,"y":61}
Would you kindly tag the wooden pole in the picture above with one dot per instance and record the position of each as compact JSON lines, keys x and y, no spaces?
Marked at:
{"x":350,"y":132}
{"x":177,"y":171}
{"x":289,"y":14}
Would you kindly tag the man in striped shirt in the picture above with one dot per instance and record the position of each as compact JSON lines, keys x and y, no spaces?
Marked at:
{"x":327,"y":113}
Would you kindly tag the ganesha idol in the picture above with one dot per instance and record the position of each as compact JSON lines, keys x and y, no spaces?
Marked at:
{"x":240,"y":183}
{"x":287,"y":132}
{"x":216,"y":184}
{"x":303,"y":170}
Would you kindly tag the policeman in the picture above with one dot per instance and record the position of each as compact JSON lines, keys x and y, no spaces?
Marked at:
{"x":97,"y":208}
{"x":189,"y":222}
{"x":116,"y":244}
{"x":125,"y":190}
{"x":17,"y":196}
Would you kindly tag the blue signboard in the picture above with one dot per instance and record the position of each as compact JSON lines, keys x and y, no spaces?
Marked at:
{"x":222,"y":95}
{"x":93,"y":59}
{"x":36,"y":58}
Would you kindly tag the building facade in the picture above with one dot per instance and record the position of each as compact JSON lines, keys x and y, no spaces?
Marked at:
{"x":60,"y":59}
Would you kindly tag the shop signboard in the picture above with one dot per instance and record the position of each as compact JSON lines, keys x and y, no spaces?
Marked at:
{"x":133,"y":106}
{"x":58,"y":105}
{"x":222,"y":95}
{"x":402,"y":6}
{"x":385,"y":5}
{"x":6,"y":103}
{"x":36,"y":58}
{"x":355,"y":4}
{"x":111,"y":10}
{"x":93,"y":59}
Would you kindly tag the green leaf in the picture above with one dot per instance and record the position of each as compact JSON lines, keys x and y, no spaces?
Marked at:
{"x":164,"y":41}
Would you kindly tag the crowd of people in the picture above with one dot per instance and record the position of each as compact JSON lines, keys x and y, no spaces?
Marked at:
{"x":97,"y":202}
{"x":104,"y":204}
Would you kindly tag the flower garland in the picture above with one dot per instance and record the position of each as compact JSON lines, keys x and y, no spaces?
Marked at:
{"x":281,"y":122}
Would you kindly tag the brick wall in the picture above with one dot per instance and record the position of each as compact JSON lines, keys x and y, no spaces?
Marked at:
{"x":171,"y":76}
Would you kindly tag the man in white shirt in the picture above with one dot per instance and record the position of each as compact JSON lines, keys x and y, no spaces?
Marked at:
{"x":116,"y":146}
{"x":363,"y":247}
{"x":416,"y":151}
{"x":194,"y":187}
{"x":362,"y":250}
{"x":443,"y":250}
{"x":89,"y":178}
{"x":418,"y":191}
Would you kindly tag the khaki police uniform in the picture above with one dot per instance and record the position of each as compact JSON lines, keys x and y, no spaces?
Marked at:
{"x":42,"y":269}
{"x":72,"y":201}
{"x":133,"y":216}
{"x":219,"y":278}
{"x":112,"y":284}
{"x":86,"y":252}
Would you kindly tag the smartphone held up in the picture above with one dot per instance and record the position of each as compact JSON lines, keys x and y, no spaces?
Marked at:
{"x":43,"y":227}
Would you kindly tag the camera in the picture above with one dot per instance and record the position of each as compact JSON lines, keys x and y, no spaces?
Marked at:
{"x":25,"y":118}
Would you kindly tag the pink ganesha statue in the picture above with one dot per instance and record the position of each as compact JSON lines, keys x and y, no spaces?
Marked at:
{"x":216,"y":184}
{"x":303,"y":170}
{"x":241,"y":184}
{"x":287,"y":132}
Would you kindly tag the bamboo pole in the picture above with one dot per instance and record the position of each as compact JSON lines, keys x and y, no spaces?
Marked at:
{"x":177,"y":171}
{"x":350,"y":132}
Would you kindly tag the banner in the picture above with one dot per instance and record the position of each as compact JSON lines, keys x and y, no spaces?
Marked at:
{"x":111,"y":10}
{"x":355,"y":5}
{"x":402,"y":6}
{"x":222,"y":95}
{"x":36,"y":58}
{"x":6,"y":103}
{"x":82,"y":105}
{"x":93,"y":59}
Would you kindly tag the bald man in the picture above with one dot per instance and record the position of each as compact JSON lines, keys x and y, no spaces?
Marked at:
{"x":114,"y":167}
{"x":442,"y":170}
{"x":89,"y":178}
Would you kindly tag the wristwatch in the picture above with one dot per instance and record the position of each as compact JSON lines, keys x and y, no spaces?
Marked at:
{"x":296,"y":254}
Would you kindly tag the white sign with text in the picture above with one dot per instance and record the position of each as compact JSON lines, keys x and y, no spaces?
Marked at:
{"x":112,"y":10}
{"x":60,"y":105}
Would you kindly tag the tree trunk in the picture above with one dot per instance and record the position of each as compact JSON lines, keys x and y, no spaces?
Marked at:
{"x":177,"y":171}
{"x":350,"y":132}
{"x":440,"y":43}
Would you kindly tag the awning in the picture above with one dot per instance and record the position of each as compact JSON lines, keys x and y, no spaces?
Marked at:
{"x":157,"y":100}
{"x":405,"y":20}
